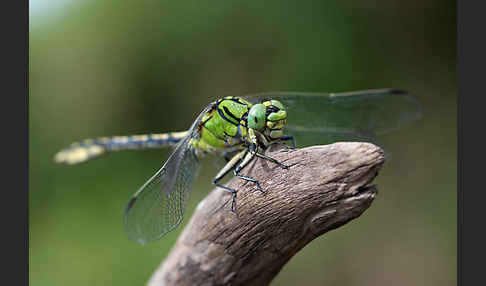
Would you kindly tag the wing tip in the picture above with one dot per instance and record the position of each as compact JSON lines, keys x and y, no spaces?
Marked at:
{"x":130,"y":204}
{"x":398,"y":91}
{"x":412,"y":98}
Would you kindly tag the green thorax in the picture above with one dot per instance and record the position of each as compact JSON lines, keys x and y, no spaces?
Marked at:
{"x":224,"y":125}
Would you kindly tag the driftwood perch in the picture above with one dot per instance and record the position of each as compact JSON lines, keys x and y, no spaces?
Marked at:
{"x":324,"y":188}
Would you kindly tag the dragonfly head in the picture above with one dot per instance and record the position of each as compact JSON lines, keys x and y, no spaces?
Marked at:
{"x":269,"y":118}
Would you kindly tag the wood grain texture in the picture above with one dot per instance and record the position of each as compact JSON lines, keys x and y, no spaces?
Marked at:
{"x":324,"y":188}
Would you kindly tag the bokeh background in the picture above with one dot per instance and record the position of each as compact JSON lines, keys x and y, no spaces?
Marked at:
{"x":111,"y":67}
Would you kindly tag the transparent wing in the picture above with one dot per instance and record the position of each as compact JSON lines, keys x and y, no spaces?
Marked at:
{"x":158,"y":206}
{"x":350,"y":116}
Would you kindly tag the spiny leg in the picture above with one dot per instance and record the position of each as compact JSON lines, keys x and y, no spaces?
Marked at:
{"x":288,"y":137}
{"x":249,"y":179}
{"x":272,"y":160}
{"x":253,"y":148}
{"x":253,"y":151}
{"x":230,"y":165}
{"x":249,"y":156}
{"x":233,"y":195}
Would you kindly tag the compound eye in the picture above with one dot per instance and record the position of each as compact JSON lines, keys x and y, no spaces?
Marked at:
{"x":256,"y":117}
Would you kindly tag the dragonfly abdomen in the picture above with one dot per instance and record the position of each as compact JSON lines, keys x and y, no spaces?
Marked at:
{"x":90,"y":148}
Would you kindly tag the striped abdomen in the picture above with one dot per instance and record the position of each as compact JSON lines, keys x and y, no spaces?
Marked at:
{"x":82,"y":151}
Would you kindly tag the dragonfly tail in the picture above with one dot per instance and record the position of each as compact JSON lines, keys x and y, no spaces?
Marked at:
{"x":85,"y":150}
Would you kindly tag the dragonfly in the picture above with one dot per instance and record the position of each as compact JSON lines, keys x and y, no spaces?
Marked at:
{"x":240,"y":129}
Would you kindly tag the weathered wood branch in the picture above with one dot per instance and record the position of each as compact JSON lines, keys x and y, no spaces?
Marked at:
{"x":324,"y":188}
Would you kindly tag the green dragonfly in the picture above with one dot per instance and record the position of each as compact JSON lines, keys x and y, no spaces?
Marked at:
{"x":240,"y":129}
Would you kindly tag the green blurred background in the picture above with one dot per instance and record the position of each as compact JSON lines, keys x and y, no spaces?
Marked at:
{"x":111,"y":67}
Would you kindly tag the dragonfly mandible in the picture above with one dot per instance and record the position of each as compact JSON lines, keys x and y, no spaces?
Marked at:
{"x":243,"y":127}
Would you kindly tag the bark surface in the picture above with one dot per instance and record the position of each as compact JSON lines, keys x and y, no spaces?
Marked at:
{"x":324,"y":188}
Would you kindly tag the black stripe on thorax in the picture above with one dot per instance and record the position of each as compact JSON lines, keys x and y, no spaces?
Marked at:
{"x":244,"y":118}
{"x":231,"y":114}
{"x":237,"y":100}
{"x":224,"y":117}
{"x":221,"y":113}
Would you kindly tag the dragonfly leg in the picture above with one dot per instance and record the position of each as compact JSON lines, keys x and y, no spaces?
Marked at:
{"x":228,"y":167}
{"x":254,"y":152}
{"x":233,"y":195}
{"x":249,"y":179}
{"x":272,"y":160}
{"x":247,"y":159}
{"x":288,"y":137}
